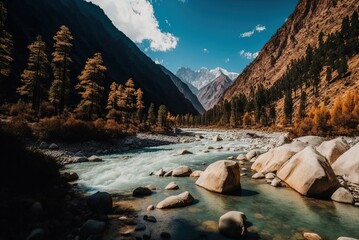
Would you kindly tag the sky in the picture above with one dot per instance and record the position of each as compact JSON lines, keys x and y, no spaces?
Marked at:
{"x":199,"y":33}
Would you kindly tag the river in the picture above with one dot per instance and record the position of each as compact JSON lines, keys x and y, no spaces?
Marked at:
{"x":272,"y":213}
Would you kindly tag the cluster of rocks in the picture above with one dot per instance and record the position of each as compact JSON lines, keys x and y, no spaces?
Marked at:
{"x":181,"y":171}
{"x":315,"y":236}
{"x":313,"y":167}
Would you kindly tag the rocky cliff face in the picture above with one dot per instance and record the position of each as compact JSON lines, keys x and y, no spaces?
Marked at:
{"x":211,"y":93}
{"x":290,"y":42}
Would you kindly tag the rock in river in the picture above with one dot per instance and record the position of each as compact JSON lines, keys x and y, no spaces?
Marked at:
{"x":217,"y":138}
{"x":333,"y":149}
{"x":181,"y":171}
{"x":343,"y":195}
{"x":272,"y":160}
{"x":181,"y":200}
{"x":172,"y":186}
{"x":309,"y":173}
{"x":141,"y":192}
{"x":348,"y":164}
{"x":92,"y":229}
{"x":311,"y":236}
{"x":222,"y":176}
{"x":196,"y":173}
{"x":100,"y":203}
{"x":233,"y":224}
{"x":70,"y":176}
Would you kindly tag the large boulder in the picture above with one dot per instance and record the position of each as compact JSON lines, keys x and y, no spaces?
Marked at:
{"x":272,"y":160}
{"x":314,"y":141}
{"x":343,"y":195}
{"x":100,"y":203}
{"x":283,"y":139}
{"x":233,"y":225}
{"x":222,"y":177}
{"x":181,"y":171}
{"x":348,"y":164}
{"x":333,"y":149}
{"x":92,"y":229}
{"x":180,"y":200}
{"x":309,"y":173}
{"x":159,"y":173}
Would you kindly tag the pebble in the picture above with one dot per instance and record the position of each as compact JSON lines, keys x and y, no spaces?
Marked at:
{"x":149,"y":218}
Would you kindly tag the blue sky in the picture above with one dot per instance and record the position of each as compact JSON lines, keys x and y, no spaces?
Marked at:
{"x":199,"y":33}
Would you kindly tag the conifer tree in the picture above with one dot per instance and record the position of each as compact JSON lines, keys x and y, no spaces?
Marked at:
{"x":90,"y":86}
{"x":61,"y":61}
{"x":302,"y":105}
{"x":151,"y":116}
{"x":328,"y":76}
{"x":162,"y":116}
{"x":130,"y":96}
{"x":36,"y":74}
{"x":112,"y":97}
{"x":233,"y":117}
{"x":139,"y":104}
{"x":288,"y":106}
{"x":121,"y":98}
{"x":6,"y":47}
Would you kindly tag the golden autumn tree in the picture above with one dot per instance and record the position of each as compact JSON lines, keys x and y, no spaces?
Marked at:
{"x":336,"y":113}
{"x":112,"y":97}
{"x":321,"y":119}
{"x":130,"y":96}
{"x":90,"y":86}
{"x":61,"y":61}
{"x":36,"y":73}
{"x":162,"y":116}
{"x":6,"y":46}
{"x":139,"y":104}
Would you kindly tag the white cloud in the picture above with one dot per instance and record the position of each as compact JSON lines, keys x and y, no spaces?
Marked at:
{"x":205,"y":50}
{"x":137,"y":20}
{"x":227,"y":60}
{"x":247,"y":34}
{"x":258,"y":28}
{"x":248,"y":55}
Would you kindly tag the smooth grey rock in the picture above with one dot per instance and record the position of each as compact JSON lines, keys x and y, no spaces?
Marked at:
{"x":53,"y":146}
{"x":181,"y":171}
{"x":44,"y":145}
{"x":172,"y":186}
{"x":258,"y":176}
{"x":70,"y":176}
{"x":91,"y":228}
{"x":149,"y":218}
{"x":270,"y":176}
{"x":180,"y":200}
{"x":312,"y":236}
{"x":343,"y":195}
{"x":95,"y":158}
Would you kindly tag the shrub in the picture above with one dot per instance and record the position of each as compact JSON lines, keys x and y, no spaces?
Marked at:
{"x":18,"y":127}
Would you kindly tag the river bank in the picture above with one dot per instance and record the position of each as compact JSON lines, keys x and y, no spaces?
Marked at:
{"x":269,"y":210}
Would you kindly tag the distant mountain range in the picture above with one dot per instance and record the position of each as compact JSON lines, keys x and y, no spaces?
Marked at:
{"x":203,"y":76}
{"x":184,"y":89}
{"x":93,"y":32}
{"x":210,"y":94}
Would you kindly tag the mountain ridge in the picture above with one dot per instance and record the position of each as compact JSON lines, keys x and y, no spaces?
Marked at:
{"x":93,"y":32}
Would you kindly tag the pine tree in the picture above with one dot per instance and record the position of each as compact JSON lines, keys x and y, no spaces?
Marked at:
{"x":288,"y":106}
{"x":162,"y":116}
{"x":151,"y":116}
{"x":90,"y":86}
{"x":112,"y":97}
{"x":302,"y":105}
{"x":61,"y":61}
{"x":130,"y":95}
{"x":6,"y":47}
{"x":272,"y":113}
{"x":139,"y":104}
{"x":36,"y":74}
{"x":233,"y":117}
{"x":328,"y":76}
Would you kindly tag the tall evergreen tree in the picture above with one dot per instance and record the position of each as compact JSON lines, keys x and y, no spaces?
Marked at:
{"x":139,"y":104}
{"x":233,"y":117}
{"x":112,"y":97}
{"x":288,"y":106}
{"x":6,"y":47}
{"x":36,"y":74}
{"x":151,"y":115}
{"x":302,"y":105}
{"x":130,"y":95}
{"x":328,"y":76}
{"x":90,"y":86}
{"x":61,"y":68}
{"x":162,"y":116}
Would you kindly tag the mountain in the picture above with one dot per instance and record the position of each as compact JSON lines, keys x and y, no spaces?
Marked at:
{"x":203,"y":76}
{"x":184,"y":89}
{"x":290,"y":42}
{"x":211,"y":93}
{"x":93,"y":32}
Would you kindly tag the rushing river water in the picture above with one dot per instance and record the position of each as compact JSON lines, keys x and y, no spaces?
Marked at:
{"x":272,"y":213}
